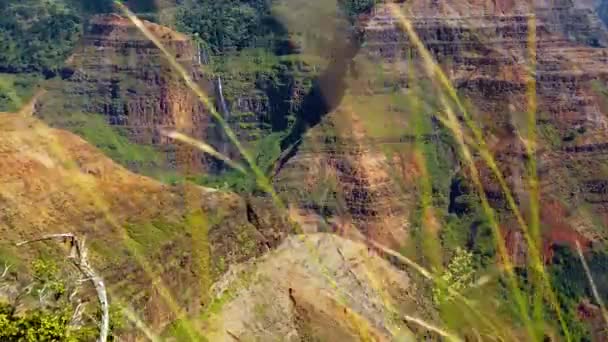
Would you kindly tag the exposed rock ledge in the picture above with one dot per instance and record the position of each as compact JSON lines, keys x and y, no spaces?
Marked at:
{"x":315,"y":287}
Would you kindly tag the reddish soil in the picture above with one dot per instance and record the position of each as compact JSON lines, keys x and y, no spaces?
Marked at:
{"x":557,"y":231}
{"x":555,"y":217}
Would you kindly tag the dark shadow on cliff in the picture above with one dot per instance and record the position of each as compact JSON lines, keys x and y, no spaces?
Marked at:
{"x":325,"y":95}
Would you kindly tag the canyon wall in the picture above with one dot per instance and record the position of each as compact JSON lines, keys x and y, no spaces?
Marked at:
{"x":263,"y":96}
{"x":486,"y":59}
{"x":483,"y":49}
{"x":119,"y":73}
{"x":341,"y":181}
{"x":268,"y":99}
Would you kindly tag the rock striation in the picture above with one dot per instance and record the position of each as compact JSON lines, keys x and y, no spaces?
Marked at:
{"x":119,"y":73}
{"x":343,"y":183}
{"x":483,"y":48}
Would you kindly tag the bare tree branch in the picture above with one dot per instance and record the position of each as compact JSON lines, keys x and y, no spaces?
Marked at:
{"x":78,"y":255}
{"x":42,"y":295}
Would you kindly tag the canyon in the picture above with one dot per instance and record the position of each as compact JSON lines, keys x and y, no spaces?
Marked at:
{"x":363,"y":155}
{"x":146,"y":237}
{"x":344,"y":172}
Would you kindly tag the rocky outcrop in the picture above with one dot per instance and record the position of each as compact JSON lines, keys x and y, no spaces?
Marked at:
{"x":117,"y":72}
{"x":316,"y":287}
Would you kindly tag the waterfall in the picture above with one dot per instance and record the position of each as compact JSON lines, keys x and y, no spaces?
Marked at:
{"x":201,"y":53}
{"x":205,"y":56}
{"x":225,"y":113}
{"x":220,"y":92}
{"x":202,"y":58}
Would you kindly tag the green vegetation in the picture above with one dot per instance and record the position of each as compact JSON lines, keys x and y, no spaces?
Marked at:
{"x":49,"y":313}
{"x":570,"y":283}
{"x":149,"y":237}
{"x":266,"y":152}
{"x":113,"y":141}
{"x":15,"y":90}
{"x":265,"y":78}
{"x":352,"y":8}
{"x":181,"y":330}
{"x":37,"y":35}
{"x":551,"y":134}
{"x":38,"y":325}
{"x":232,"y":24}
{"x":458,"y":276}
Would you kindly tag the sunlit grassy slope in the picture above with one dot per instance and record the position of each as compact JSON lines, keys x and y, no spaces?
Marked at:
{"x":16,"y":90}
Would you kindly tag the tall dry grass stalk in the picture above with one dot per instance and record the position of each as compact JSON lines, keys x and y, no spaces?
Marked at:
{"x":470,"y":142}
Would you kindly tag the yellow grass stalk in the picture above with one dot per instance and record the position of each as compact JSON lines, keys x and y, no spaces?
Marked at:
{"x":435,"y":72}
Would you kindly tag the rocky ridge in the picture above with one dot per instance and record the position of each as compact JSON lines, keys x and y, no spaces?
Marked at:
{"x":317,"y":286}
{"x":160,"y":247}
{"x":144,"y":237}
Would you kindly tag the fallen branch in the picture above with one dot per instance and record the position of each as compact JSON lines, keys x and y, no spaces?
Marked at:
{"x":78,"y":255}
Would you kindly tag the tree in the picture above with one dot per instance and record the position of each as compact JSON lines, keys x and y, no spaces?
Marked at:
{"x":53,"y":313}
{"x":78,"y":255}
{"x":352,"y":8}
{"x":458,"y":276}
{"x":37,"y":35}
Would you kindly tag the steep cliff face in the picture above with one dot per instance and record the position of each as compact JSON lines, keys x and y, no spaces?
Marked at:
{"x":486,"y":59}
{"x":119,"y":73}
{"x":264,"y":92}
{"x":482,"y":46}
{"x":341,"y":180}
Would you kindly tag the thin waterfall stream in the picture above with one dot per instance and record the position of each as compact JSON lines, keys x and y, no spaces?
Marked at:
{"x":203,"y":59}
{"x":225,"y":114}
